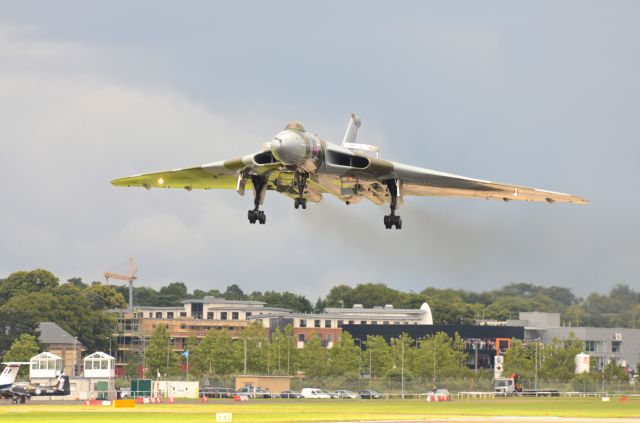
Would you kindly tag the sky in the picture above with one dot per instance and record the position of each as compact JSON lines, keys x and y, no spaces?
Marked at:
{"x":536,"y":93}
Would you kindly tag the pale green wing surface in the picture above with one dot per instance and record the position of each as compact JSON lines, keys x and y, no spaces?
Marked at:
{"x":218,"y":175}
{"x":420,"y":181}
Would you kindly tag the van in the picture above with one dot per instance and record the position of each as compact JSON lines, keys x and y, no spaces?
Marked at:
{"x":314,"y":393}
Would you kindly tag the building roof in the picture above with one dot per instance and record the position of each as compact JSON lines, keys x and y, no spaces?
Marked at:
{"x":51,"y":333}
{"x":215,"y":300}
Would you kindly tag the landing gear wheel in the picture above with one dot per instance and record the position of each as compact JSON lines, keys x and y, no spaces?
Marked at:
{"x":300,"y":202}
{"x":392,"y":220}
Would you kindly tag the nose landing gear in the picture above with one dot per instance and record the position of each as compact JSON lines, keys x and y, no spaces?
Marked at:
{"x":300,"y":179}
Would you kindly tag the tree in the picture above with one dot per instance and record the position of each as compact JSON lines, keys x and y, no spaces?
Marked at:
{"x":22,"y":349}
{"x":520,"y":359}
{"x":345,"y":357}
{"x":25,"y":282}
{"x":104,"y":297}
{"x":233,"y":292}
{"x":314,"y":358}
{"x":159,"y":356}
{"x":440,"y":356}
{"x":15,"y":322}
{"x":377,"y":359}
{"x":77,"y":282}
{"x":340,"y":296}
{"x":172,"y":294}
{"x":254,"y":343}
{"x":557,"y":359}
{"x":212,"y":355}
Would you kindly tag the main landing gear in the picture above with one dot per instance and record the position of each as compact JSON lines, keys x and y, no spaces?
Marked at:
{"x":392,"y":220}
{"x":259,"y":188}
{"x":300,"y":179}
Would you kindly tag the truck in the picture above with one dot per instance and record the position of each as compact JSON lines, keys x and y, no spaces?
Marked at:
{"x":507,"y":386}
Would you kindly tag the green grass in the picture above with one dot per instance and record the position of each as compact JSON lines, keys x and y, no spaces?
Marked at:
{"x":314,"y":411}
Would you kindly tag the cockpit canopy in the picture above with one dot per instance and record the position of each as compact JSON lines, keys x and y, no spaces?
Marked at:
{"x":296,"y":126}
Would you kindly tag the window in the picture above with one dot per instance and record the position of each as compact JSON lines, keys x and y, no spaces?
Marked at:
{"x":183,"y":314}
{"x":210,"y":315}
{"x":616,"y":346}
{"x":170,"y":315}
{"x":329,"y":338}
{"x":374,"y":322}
{"x":235,"y":315}
{"x":590,"y":346}
{"x":316,"y":323}
{"x":183,"y":326}
{"x":327,"y":323}
{"x":301,"y":337}
{"x":386,"y":322}
{"x":363,"y":322}
{"x":352,"y":322}
{"x":88,"y":365}
{"x":396,"y":323}
{"x":158,"y":315}
{"x":247,"y":315}
{"x":303,"y":323}
{"x":223,"y":315}
{"x":340,"y":323}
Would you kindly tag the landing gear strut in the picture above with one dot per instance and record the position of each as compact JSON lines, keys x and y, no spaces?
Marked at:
{"x":259,"y":187}
{"x":301,"y":183}
{"x":392,"y":220}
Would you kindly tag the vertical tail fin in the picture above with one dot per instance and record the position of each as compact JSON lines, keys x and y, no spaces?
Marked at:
{"x":9,"y":374}
{"x":352,"y":130}
{"x":350,"y":137}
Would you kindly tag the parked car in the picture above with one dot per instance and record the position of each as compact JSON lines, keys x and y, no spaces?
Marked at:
{"x":314,"y":393}
{"x":255,"y":392}
{"x":216,"y":392}
{"x":291,"y":395}
{"x":332,"y":394}
{"x":347,"y":394}
{"x":370,"y":394}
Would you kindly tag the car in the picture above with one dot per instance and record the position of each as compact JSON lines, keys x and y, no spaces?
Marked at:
{"x":347,"y":394}
{"x":255,"y":392}
{"x":290,"y":395}
{"x":439,"y":395}
{"x":314,"y":393}
{"x":370,"y":394}
{"x":216,"y":392}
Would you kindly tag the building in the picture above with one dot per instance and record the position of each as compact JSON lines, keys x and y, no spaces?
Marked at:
{"x":602,"y":344}
{"x":194,"y":317}
{"x":59,"y":342}
{"x":199,"y":316}
{"x":328,"y":325}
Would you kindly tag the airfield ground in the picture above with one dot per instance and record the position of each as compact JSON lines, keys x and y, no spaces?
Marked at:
{"x":476,"y":411}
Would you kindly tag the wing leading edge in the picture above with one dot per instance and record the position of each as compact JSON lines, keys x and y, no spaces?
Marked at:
{"x":420,"y":181}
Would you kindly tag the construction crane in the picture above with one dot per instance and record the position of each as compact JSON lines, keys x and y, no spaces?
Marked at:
{"x":130,"y":277}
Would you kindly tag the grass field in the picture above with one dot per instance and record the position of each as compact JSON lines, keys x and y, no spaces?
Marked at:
{"x":321,"y":411}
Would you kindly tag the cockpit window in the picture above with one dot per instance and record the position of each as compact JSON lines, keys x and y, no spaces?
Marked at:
{"x":296,"y":126}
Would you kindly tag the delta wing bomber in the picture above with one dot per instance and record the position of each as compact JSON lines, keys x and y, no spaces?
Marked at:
{"x":304,"y":167}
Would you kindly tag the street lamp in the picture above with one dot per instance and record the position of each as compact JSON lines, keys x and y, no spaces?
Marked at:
{"x":536,"y":364}
{"x":402,"y":365}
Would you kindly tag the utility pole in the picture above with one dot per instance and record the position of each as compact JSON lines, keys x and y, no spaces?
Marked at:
{"x":402,"y":366}
{"x":245,"y":356}
{"x":359,"y":362}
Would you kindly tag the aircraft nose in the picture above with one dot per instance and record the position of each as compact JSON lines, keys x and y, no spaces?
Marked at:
{"x":289,"y":148}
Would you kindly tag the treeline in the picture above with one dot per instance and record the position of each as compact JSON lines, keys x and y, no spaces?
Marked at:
{"x":619,"y":308}
{"x":428,"y":360}
{"x":27,"y":298}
